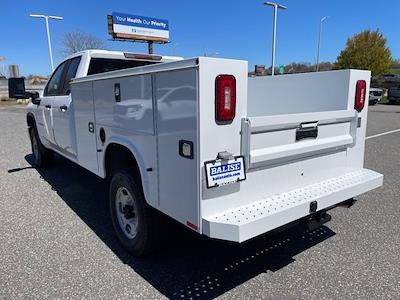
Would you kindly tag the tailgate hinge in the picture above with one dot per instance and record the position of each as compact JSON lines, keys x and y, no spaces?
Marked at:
{"x":245,"y":141}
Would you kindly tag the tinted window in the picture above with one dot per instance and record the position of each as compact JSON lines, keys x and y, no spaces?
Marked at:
{"x":71,"y":73}
{"x":55,"y":82}
{"x":101,"y":65}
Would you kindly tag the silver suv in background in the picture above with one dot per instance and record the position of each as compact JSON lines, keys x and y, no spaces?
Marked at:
{"x":375,"y":96}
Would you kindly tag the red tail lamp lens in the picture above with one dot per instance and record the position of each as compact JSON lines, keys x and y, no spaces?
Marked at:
{"x":225,"y":100}
{"x":361,"y":89}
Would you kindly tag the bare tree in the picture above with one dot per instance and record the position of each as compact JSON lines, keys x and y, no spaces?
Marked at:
{"x":77,"y":40}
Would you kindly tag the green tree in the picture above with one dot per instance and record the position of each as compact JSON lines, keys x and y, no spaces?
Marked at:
{"x":366,"y":50}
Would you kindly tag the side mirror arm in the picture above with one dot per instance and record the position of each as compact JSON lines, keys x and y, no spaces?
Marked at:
{"x":34,"y":97}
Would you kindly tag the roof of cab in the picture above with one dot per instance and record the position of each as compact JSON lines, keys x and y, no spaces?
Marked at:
{"x":120,"y":55}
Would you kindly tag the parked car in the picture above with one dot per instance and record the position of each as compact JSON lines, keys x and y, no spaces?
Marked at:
{"x":375,"y":96}
{"x":394,"y":95}
{"x":390,"y":76}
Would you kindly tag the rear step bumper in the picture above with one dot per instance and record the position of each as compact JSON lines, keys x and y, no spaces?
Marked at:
{"x":247,"y":221}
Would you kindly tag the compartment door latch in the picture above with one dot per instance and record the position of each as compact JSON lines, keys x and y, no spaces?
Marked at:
{"x":307,"y":130}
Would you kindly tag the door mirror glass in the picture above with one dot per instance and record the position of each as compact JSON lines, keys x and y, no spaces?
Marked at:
{"x":16,"y":88}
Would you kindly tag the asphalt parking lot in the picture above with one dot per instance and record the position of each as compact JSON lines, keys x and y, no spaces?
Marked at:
{"x":56,"y":239}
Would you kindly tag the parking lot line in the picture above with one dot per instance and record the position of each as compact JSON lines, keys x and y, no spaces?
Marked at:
{"x":383,"y":133}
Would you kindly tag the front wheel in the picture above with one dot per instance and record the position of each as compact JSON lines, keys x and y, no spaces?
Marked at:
{"x":41,"y":155}
{"x":132,"y":218}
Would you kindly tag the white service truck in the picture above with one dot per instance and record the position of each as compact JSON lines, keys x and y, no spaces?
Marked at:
{"x":227,"y":155}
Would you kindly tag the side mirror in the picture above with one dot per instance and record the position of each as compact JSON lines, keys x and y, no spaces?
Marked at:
{"x":35,"y":97}
{"x":16,"y":88}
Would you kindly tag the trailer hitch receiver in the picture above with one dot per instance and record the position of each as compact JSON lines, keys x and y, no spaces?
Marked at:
{"x":313,"y":207}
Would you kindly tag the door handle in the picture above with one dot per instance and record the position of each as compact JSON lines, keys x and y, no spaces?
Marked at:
{"x":307,"y":130}
{"x":48,"y":106}
{"x":63,"y":108}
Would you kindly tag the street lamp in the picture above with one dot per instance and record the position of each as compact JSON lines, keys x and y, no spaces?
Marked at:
{"x":319,"y":39}
{"x":276,"y":7}
{"x":2,"y":72}
{"x":48,"y":33}
{"x":174,"y":45}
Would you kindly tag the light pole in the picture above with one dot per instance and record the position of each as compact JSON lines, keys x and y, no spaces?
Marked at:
{"x":174,"y":45}
{"x":48,"y":33}
{"x":276,"y":7}
{"x":2,"y":72}
{"x":319,"y":39}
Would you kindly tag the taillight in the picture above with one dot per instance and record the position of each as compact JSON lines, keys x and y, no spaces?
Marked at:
{"x":225,"y":98}
{"x":361,"y":89}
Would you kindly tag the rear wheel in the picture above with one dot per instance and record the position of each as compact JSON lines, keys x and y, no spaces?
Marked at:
{"x":41,"y":155}
{"x":133,"y":220}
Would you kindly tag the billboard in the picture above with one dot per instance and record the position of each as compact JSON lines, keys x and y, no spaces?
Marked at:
{"x":132,"y":27}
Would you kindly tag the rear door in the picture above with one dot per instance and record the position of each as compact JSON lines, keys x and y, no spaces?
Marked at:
{"x":280,"y":139}
{"x":45,"y":109}
{"x":64,"y":130}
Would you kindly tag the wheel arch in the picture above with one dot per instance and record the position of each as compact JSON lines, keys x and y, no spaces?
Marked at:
{"x":119,"y":155}
{"x":30,"y":120}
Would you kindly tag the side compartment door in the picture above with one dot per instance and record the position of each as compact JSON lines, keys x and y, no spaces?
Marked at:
{"x":63,"y":111}
{"x":177,"y":150}
{"x":124,"y":113}
{"x":44,"y":116}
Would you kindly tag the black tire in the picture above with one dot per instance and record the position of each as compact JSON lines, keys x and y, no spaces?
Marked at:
{"x":41,"y":156}
{"x":146,"y":238}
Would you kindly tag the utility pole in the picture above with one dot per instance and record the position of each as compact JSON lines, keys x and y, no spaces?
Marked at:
{"x":2,"y":71}
{"x":319,"y":40}
{"x":48,"y":33}
{"x":276,"y":6}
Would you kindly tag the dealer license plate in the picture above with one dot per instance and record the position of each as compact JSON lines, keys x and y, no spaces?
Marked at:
{"x":222,"y":172}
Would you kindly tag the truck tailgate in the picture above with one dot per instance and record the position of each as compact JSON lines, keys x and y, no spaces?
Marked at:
{"x":302,"y":141}
{"x":276,"y":139}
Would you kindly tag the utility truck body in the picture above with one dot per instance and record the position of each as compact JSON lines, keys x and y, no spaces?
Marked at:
{"x":229,"y":156}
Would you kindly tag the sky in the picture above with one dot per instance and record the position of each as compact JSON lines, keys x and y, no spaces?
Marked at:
{"x":239,"y":29}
